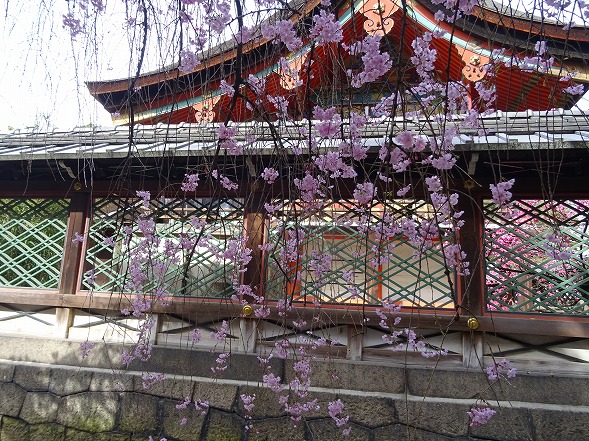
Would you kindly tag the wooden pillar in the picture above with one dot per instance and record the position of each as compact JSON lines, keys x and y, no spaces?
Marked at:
{"x":157,"y":325}
{"x":72,"y":263}
{"x":471,"y":288}
{"x":472,"y":349}
{"x":63,"y":321}
{"x":254,"y":276}
{"x":254,"y":231}
{"x":355,"y":343}
{"x":248,"y":331}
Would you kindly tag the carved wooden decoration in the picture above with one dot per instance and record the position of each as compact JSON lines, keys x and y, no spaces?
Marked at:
{"x":474,"y":69}
{"x":290,"y":75}
{"x":379,"y":16}
{"x":203,"y":111}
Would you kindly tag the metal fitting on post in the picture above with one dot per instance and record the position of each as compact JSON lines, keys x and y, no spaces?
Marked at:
{"x":473,"y":323}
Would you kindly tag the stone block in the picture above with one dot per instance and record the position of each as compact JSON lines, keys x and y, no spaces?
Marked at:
{"x":13,"y":429}
{"x":69,"y":381}
{"x":401,"y":432}
{"x":172,"y":388}
{"x":111,"y":382}
{"x":543,"y":389}
{"x":456,"y":383}
{"x":12,"y":400}
{"x":32,"y":378}
{"x":509,"y":424}
{"x":79,"y":435}
{"x":326,"y":430}
{"x":266,"y":404}
{"x":89,"y":411}
{"x":553,"y":425}
{"x":142,"y":437}
{"x":355,"y":376}
{"x":369,"y":411}
{"x":277,"y":429}
{"x":219,"y":396}
{"x":138,"y":413}
{"x":172,"y":418}
{"x":198,"y":364}
{"x":6,"y":372}
{"x":39,"y":407}
{"x":102,"y":355}
{"x":442,"y":418}
{"x":40,"y":350}
{"x":224,"y":427}
{"x":47,"y":432}
{"x":323,"y":400}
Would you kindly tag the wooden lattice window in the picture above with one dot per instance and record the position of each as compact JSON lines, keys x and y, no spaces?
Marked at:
{"x":194,"y":270}
{"x":32,"y":238}
{"x":364,"y":267}
{"x":536,"y":256}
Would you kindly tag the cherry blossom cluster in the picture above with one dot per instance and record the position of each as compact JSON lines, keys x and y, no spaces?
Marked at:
{"x":557,"y":245}
{"x":500,"y":369}
{"x":500,"y":192}
{"x":151,"y":378}
{"x":326,"y":29}
{"x":335,"y":410}
{"x":376,"y":63}
{"x":479,"y":416}
{"x":248,"y":405}
{"x":282,"y":31}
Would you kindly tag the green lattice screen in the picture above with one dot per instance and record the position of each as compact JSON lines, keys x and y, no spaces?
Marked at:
{"x":193,"y":271}
{"x":536,"y":256}
{"x":334,"y":228}
{"x":32,"y":233}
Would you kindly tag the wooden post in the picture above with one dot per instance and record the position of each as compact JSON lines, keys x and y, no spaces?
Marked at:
{"x":254,"y":230}
{"x":63,"y":321}
{"x":254,"y":276}
{"x":72,"y":263}
{"x":248,"y":335}
{"x":157,"y":325}
{"x":472,"y":349}
{"x":355,"y":343}
{"x":472,"y":288}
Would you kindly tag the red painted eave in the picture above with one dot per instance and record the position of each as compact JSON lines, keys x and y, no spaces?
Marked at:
{"x":172,"y":72}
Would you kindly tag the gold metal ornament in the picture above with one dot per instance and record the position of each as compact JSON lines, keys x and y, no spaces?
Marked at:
{"x":77,"y":186}
{"x":247,"y":310}
{"x":469,"y":184}
{"x":473,"y":323}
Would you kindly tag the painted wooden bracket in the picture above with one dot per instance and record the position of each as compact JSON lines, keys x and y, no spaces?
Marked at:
{"x":290,"y":77}
{"x":474,"y":69}
{"x":203,"y":111}
{"x":379,"y":16}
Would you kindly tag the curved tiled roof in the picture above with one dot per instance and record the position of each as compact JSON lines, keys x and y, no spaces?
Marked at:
{"x":170,"y":92}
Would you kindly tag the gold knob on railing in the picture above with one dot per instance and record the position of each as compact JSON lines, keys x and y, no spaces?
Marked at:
{"x":77,"y":186}
{"x":469,"y":184}
{"x":247,"y":310}
{"x":473,"y":323}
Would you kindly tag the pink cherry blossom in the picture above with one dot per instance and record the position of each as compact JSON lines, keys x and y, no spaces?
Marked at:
{"x":326,"y":29}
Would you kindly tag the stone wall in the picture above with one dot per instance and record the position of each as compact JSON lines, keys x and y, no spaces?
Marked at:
{"x":48,"y":400}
